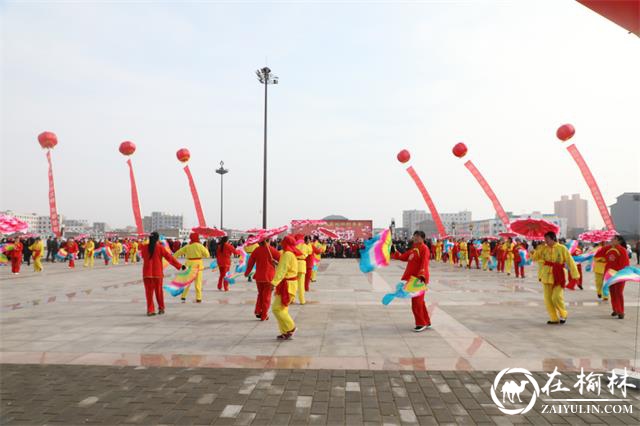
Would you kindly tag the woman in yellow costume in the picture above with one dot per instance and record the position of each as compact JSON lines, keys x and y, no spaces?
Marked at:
{"x":134,"y":252}
{"x":485,"y":254}
{"x":304,"y":250}
{"x":37,"y":248}
{"x":439,"y":251}
{"x":194,"y":252}
{"x":552,"y":258}
{"x":507,"y":248}
{"x":285,"y":280}
{"x":464,"y":253}
{"x":89,"y":248}
{"x":599,"y":264}
{"x":317,"y":254}
{"x":117,"y":249}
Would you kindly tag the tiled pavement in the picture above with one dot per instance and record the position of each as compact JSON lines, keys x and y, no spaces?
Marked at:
{"x":73,"y":395}
{"x":76,"y":346}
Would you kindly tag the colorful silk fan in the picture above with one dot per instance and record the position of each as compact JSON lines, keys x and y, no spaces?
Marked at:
{"x":493,"y":263}
{"x":572,"y":246}
{"x":376,"y":252}
{"x":611,"y":277}
{"x":182,"y":280}
{"x":406,"y":289}
{"x":525,"y":259}
{"x":214,"y":265}
{"x":64,"y":255}
{"x":3,"y":259}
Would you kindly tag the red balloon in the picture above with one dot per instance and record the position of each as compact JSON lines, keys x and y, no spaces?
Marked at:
{"x":127,"y":148}
{"x":48,"y":140}
{"x":404,"y":156}
{"x":183,"y":155}
{"x":565,"y":132}
{"x":459,"y":150}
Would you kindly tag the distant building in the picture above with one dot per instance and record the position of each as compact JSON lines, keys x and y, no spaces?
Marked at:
{"x":334,"y":217}
{"x":99,"y":228}
{"x":494,"y":226}
{"x":162,"y":221}
{"x":74,"y":226}
{"x":625,"y":213}
{"x":576,"y":211}
{"x":411,"y":218}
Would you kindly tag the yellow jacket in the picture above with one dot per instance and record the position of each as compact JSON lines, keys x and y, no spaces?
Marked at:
{"x":287,"y":268}
{"x":134,"y":246}
{"x":306,"y":250}
{"x":463,"y":246}
{"x":88,"y":248}
{"x":556,"y":254}
{"x":486,"y":251}
{"x":117,"y":248}
{"x":37,"y":246}
{"x":193,"y":251}
{"x":321,"y":247}
{"x":508,"y":249}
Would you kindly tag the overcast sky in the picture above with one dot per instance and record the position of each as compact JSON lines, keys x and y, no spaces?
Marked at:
{"x":358,"y":82}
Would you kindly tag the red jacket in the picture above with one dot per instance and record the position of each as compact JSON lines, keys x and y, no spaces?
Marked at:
{"x":263,"y":257}
{"x":152,"y":265}
{"x":617,"y":258}
{"x":224,"y":256}
{"x":418,"y":262}
{"x":16,"y":253}
{"x":72,"y":247}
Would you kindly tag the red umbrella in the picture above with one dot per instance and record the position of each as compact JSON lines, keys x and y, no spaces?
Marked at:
{"x":209,"y":232}
{"x":254,"y":231}
{"x":533,"y":228}
{"x":490,"y":237}
{"x":508,"y":234}
{"x":597,"y":236}
{"x":266,"y":235}
{"x":10,"y":224}
{"x":329,"y":233}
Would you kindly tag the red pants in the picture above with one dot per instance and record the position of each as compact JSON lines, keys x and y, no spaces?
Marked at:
{"x":126,"y":258}
{"x":519,"y":270}
{"x":617,"y":298}
{"x":221,"y":281}
{"x":263,"y":303}
{"x":500,"y":265}
{"x":72,"y":263}
{"x":15,"y":264}
{"x":307,"y":278}
{"x":420,"y":312}
{"x":151,"y":286}
{"x":445,"y":257}
{"x":476,"y":259}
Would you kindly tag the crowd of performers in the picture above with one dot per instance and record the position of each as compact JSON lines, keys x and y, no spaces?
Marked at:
{"x":283,"y":269}
{"x":557,"y":269}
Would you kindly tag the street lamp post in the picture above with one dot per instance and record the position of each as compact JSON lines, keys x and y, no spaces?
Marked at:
{"x":265,"y":77}
{"x":221,"y":171}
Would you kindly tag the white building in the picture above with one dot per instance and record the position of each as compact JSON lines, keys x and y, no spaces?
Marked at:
{"x":411,"y":218}
{"x":160,"y":220}
{"x":485,"y":227}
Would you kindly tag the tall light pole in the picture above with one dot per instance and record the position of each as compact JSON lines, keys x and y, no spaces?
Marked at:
{"x":265,"y":77}
{"x":221,"y":171}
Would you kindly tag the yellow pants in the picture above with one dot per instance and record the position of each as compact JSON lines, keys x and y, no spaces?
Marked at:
{"x":599,"y":282}
{"x":508,"y":264}
{"x":301,"y":289}
{"x":464,"y":259}
{"x":450,"y":257}
{"x":116,"y":258}
{"x":285,"y":322}
{"x":438,"y":255}
{"x":554,"y":302}
{"x":37,"y":264}
{"x":88,"y":259}
{"x":198,"y":280}
{"x":314,"y":275}
{"x":133,"y":257}
{"x":485,"y":263}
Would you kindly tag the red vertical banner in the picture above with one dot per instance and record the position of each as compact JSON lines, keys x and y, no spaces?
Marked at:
{"x":135,"y":203}
{"x":593,"y":186}
{"x":487,"y":190}
{"x":196,"y":199}
{"x":427,"y":198}
{"x":53,"y":210}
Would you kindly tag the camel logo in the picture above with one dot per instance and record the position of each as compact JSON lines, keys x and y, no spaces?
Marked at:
{"x":511,"y":391}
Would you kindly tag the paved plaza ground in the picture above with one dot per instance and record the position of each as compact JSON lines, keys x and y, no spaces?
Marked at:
{"x":76,"y":347}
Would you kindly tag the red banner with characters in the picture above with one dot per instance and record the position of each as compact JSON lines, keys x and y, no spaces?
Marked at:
{"x":53,"y":210}
{"x":347,"y":230}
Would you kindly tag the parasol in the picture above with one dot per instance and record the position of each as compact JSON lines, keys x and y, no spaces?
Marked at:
{"x":597,"y":236}
{"x":533,"y":228}
{"x":508,"y":234}
{"x":209,"y":232}
{"x":329,"y":233}
{"x":266,"y":235}
{"x":10,"y":224}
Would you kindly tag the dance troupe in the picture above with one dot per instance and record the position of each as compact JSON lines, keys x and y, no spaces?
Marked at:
{"x":287,"y":273}
{"x":557,"y":268}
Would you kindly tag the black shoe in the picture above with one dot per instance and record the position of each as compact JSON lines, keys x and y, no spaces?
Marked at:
{"x":151,"y":314}
{"x":553,"y":322}
{"x":161,"y":312}
{"x":580,"y":287}
{"x":419,"y":328}
{"x":563,"y":321}
{"x":620,"y":316}
{"x":614,"y":313}
{"x":199,"y":301}
{"x":259,"y":316}
{"x":599,"y":296}
{"x":183,"y":300}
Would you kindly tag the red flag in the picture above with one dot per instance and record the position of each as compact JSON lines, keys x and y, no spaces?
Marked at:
{"x":196,"y":200}
{"x":135,"y":204}
{"x":432,"y":207}
{"x":53,"y":211}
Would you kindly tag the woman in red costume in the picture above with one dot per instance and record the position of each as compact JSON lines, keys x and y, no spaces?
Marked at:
{"x":223,"y":254}
{"x":72,"y":250}
{"x":617,"y":259}
{"x":264,"y":257}
{"x":473,"y":254}
{"x":16,"y":256}
{"x":152,"y":254}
